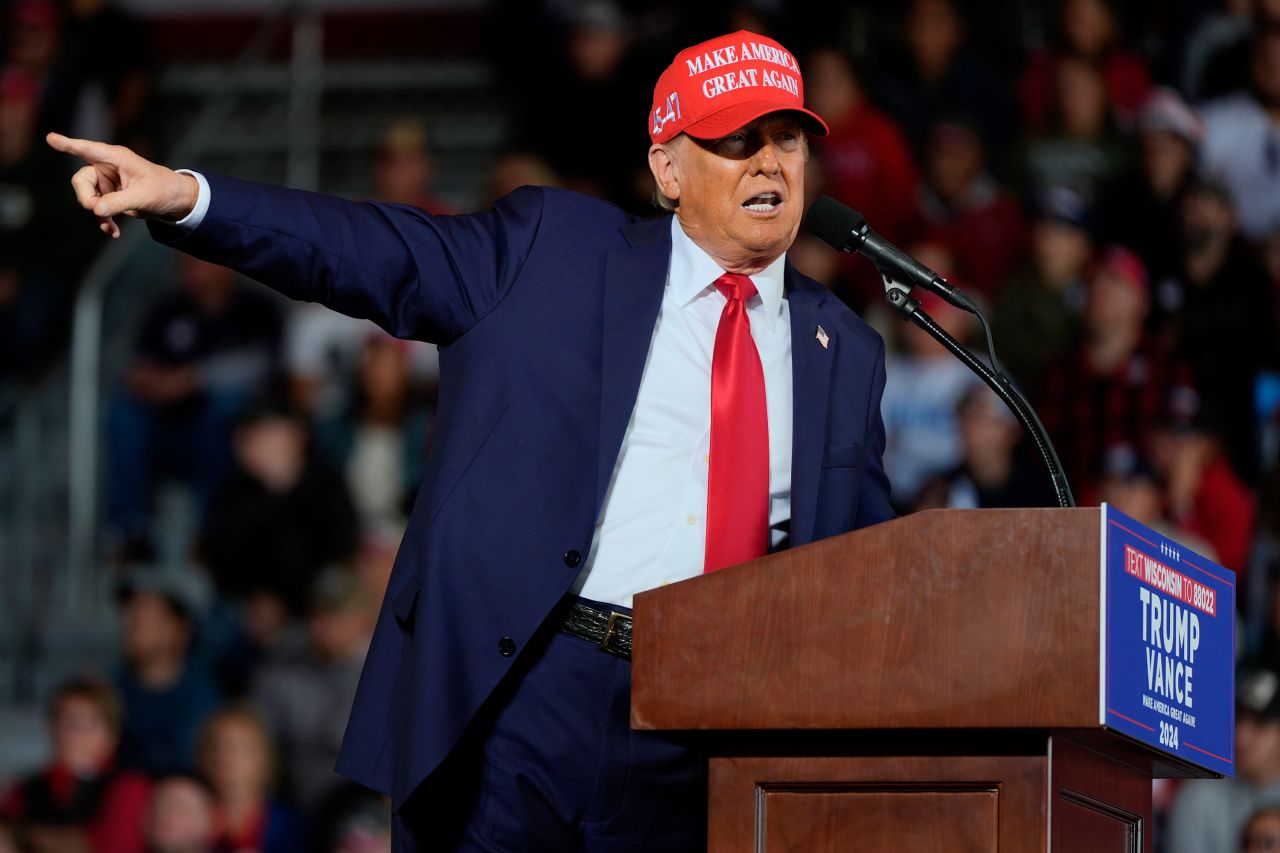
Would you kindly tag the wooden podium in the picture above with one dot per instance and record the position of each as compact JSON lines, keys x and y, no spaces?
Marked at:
{"x":927,"y":684}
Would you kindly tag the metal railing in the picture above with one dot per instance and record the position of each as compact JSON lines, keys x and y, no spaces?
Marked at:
{"x":86,"y":343}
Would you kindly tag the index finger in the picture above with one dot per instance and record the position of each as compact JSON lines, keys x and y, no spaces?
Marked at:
{"x":85,"y":149}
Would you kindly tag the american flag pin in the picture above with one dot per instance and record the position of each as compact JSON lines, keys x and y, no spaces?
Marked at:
{"x":823,"y":337}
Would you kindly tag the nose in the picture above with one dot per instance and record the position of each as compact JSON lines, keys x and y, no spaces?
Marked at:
{"x":765,"y":160}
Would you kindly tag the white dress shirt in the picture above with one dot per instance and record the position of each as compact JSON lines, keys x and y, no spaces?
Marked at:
{"x":1242,"y":146}
{"x":652,"y":527}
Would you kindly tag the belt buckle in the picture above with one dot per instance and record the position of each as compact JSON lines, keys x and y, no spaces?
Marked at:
{"x":611,"y":626}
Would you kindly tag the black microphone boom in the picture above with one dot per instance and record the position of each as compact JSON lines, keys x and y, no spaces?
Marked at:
{"x":845,"y":229}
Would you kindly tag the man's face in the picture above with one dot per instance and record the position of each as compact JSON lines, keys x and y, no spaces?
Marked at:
{"x":741,"y":197}
{"x":1257,"y":748}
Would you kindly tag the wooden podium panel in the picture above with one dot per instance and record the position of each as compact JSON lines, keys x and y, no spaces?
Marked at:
{"x":872,"y":804}
{"x":1084,"y":801}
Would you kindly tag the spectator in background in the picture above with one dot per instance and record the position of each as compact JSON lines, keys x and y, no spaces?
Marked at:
{"x":322,"y":348}
{"x":203,"y":352}
{"x":1131,"y":484}
{"x":1088,"y":33}
{"x":404,"y":168}
{"x":165,"y":687}
{"x":1217,"y":54}
{"x":1113,"y":384}
{"x":1203,"y":494}
{"x":281,"y":515}
{"x":594,"y":67}
{"x":99,"y":84}
{"x":1242,"y":139}
{"x":34,"y":42}
{"x":867,"y":160}
{"x":1222,"y":318}
{"x":181,"y":816}
{"x":936,"y":76}
{"x":964,"y":210}
{"x":322,"y":354}
{"x":1078,"y":146}
{"x":1209,"y":815}
{"x":1262,"y":832}
{"x":514,"y":169}
{"x":923,"y":385}
{"x":83,"y":800}
{"x":9,"y":840}
{"x":40,"y":255}
{"x":380,"y":445}
{"x":1142,"y":210}
{"x":305,"y":700}
{"x":238,"y":758}
{"x":994,"y":470}
{"x":1038,"y":313}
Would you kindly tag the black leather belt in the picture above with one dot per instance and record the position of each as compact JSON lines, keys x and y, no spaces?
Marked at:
{"x":610,"y":630}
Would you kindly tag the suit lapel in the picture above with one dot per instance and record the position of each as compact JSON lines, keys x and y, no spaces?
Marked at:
{"x":811,"y":385}
{"x":635,"y":278}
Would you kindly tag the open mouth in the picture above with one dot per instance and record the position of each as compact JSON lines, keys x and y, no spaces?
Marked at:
{"x":763,"y":203}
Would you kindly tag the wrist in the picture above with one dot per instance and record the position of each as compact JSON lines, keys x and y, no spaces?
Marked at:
{"x":188,"y":198}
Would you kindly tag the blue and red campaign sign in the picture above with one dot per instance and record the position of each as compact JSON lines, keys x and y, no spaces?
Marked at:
{"x":1169,"y":645}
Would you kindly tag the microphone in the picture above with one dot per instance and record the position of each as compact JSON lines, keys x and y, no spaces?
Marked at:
{"x":844,"y":228}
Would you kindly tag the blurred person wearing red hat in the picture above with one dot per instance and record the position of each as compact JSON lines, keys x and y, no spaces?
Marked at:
{"x":1140,"y":209}
{"x":1112,"y":386}
{"x":624,"y":403}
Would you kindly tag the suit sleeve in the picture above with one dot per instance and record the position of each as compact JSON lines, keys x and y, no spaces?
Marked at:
{"x":414,"y":274}
{"x":873,"y":503}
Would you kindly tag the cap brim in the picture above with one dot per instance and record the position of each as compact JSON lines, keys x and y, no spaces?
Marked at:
{"x":731,"y":118}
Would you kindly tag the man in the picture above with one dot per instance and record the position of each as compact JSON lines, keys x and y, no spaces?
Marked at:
{"x":1242,"y":137}
{"x":204,"y":350}
{"x":165,"y":686}
{"x":298,"y":697}
{"x":1210,"y":814}
{"x":578,"y":448}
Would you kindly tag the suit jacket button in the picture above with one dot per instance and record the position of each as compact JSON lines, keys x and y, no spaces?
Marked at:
{"x":572,"y":558}
{"x":506,"y":647}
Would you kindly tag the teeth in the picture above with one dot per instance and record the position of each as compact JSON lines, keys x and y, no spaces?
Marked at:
{"x":763,"y":202}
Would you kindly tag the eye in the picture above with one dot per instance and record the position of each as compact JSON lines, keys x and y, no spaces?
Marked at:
{"x":786,"y":140}
{"x":734,"y":143}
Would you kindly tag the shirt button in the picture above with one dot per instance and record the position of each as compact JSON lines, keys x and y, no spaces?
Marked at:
{"x":691,"y":518}
{"x":707,"y":459}
{"x":506,"y":647}
{"x":572,"y":558}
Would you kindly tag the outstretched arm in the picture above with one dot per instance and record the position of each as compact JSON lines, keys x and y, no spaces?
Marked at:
{"x":117,"y":181}
{"x":416,"y":275}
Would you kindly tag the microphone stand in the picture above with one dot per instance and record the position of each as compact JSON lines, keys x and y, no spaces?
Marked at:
{"x":899,"y":298}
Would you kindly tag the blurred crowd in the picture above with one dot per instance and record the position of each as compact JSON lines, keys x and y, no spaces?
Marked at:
{"x":1102,"y":176}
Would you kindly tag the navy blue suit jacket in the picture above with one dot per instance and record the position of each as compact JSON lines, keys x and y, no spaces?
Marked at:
{"x":543,"y":308}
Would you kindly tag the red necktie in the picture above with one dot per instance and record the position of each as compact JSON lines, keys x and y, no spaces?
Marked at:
{"x":738,"y":479}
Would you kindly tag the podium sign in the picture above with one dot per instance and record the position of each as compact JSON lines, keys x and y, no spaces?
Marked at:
{"x":1168,"y":645}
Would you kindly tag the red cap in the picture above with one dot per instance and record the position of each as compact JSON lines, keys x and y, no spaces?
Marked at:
{"x":712,"y":89}
{"x":1124,"y":263}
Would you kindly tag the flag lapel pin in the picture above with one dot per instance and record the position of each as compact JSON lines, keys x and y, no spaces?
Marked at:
{"x":823,"y":337}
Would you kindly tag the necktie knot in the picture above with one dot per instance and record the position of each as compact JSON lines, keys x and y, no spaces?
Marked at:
{"x":736,"y":286}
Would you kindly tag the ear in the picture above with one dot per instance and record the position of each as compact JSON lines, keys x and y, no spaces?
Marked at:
{"x":665,"y":167}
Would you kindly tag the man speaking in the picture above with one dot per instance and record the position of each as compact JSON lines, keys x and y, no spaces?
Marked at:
{"x":624,"y":403}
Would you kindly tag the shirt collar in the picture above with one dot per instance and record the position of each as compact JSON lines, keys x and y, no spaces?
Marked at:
{"x":693,"y":273}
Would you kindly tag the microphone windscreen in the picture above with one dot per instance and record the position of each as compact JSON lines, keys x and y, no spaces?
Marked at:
{"x":833,"y":223}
